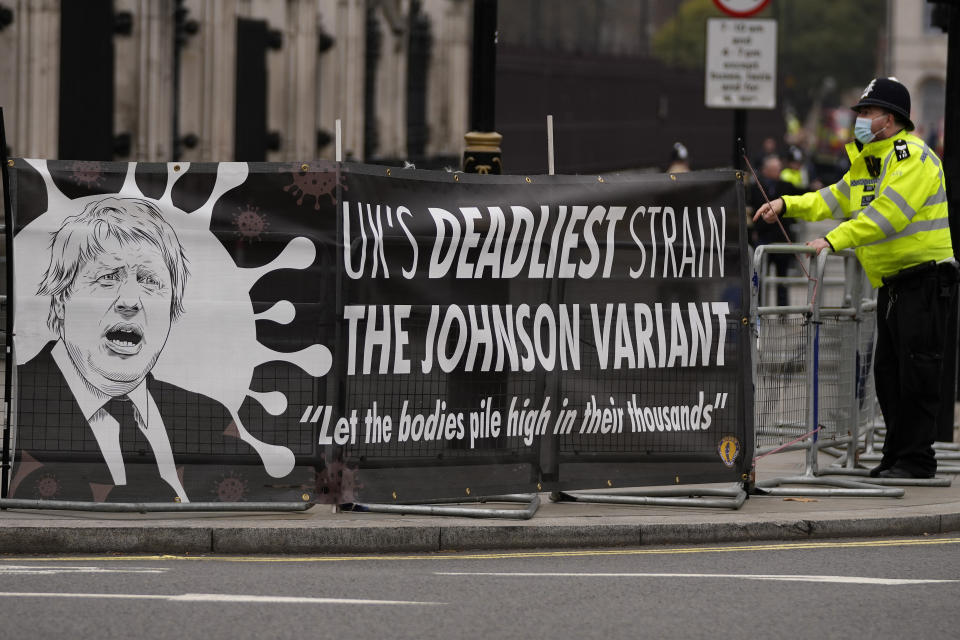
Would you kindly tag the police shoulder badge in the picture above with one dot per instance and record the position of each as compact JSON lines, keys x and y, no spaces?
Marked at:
{"x":900,"y":148}
{"x":729,"y":450}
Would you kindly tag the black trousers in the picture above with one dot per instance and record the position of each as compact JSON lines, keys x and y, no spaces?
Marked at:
{"x":911,"y":339}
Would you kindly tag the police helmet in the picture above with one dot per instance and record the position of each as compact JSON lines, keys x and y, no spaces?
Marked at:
{"x":888,"y":94}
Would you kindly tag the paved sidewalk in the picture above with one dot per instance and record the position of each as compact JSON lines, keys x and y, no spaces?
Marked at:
{"x":321,"y":530}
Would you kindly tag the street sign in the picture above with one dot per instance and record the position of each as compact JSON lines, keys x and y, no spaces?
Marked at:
{"x":741,"y":69}
{"x":741,"y":8}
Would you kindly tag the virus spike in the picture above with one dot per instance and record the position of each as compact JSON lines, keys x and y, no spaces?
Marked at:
{"x":298,"y":254}
{"x":55,"y":199}
{"x":129,"y":187}
{"x":282,"y":312}
{"x":315,"y":359}
{"x":278,"y":461}
{"x":175,"y":171}
{"x":274,"y":402}
{"x":229,"y":176}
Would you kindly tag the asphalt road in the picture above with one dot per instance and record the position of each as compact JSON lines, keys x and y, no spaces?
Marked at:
{"x":877,"y":588}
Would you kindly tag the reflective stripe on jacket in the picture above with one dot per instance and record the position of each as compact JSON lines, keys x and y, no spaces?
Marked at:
{"x":893,"y":204}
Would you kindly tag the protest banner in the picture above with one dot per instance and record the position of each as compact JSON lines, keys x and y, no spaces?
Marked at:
{"x":343,"y":332}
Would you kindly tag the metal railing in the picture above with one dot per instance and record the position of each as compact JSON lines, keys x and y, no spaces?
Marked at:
{"x":807,"y":370}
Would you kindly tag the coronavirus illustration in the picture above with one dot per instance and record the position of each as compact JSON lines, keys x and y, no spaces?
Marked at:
{"x":86,"y":173}
{"x":231,"y":487}
{"x":315,"y":182}
{"x":46,"y":487}
{"x":250,"y":223}
{"x":337,"y":483}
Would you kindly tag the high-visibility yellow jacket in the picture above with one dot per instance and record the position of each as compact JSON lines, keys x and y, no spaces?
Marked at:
{"x":893,"y":204}
{"x":793,"y":176}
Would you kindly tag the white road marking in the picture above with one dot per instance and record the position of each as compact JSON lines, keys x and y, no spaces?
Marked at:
{"x":34,"y":570}
{"x":212,"y":597}
{"x":742,"y":576}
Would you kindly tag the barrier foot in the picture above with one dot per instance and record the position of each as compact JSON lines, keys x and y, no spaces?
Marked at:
{"x":939,"y":454}
{"x":732,"y":498}
{"x":829,"y":487}
{"x":836,"y":452}
{"x":152,"y":507}
{"x":863,"y":475}
{"x":948,"y":468}
{"x":531,"y":500}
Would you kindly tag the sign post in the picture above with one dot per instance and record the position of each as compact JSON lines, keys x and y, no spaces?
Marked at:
{"x":741,"y":69}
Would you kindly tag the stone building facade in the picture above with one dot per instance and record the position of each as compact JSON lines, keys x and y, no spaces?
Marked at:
{"x":917,"y":56}
{"x":193,"y":80}
{"x":237,"y":79}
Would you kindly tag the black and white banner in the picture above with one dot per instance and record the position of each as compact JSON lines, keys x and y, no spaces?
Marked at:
{"x":284,"y":331}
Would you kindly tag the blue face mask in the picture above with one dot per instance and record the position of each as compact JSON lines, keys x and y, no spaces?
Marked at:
{"x":862,"y":129}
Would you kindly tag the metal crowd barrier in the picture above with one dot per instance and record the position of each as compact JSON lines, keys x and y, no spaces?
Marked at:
{"x":869,"y":451}
{"x":809,"y":362}
{"x":437,"y":508}
{"x":867,"y":442}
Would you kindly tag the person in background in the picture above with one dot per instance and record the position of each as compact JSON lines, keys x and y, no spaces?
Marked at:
{"x":795,"y":172}
{"x":771,"y":184}
{"x":892,"y":205}
{"x":798,"y":171}
{"x":679,"y":159}
{"x":769,"y":147}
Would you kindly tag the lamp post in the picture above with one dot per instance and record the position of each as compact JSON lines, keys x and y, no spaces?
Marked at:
{"x":946,"y":15}
{"x":482,"y":152}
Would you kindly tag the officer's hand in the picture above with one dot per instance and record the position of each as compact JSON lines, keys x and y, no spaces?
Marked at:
{"x":770,"y":211}
{"x":819,"y":244}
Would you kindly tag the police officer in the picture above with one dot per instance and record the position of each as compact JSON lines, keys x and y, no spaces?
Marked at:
{"x":893,"y":207}
{"x":771,"y":185}
{"x":795,"y":172}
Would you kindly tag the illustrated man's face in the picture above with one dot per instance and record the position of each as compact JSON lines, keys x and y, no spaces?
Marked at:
{"x":116,"y":317}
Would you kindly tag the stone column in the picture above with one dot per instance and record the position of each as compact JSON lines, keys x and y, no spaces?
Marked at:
{"x":390,"y":108}
{"x":30,"y":60}
{"x":448,"y":86}
{"x":482,"y":152}
{"x":341,"y":89}
{"x":299,"y":123}
{"x":144,"y":79}
{"x":208,"y":81}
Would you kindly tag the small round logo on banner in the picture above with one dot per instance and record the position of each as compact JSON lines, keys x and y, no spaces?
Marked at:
{"x":729,"y":450}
